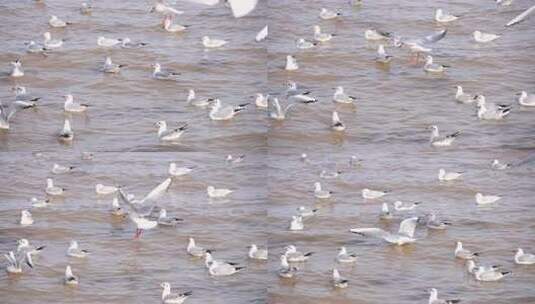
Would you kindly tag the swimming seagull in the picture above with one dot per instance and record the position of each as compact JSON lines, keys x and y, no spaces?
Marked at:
{"x":374,"y":35}
{"x":173,"y":298}
{"x":39,"y":203}
{"x":326,"y":14}
{"x":341,"y":97}
{"x":54,"y":21}
{"x":472,"y":268}
{"x":286,"y":271}
{"x":372,"y":194}
{"x":297,"y":223}
{"x":23,"y":99}
{"x":172,"y":28}
{"x":195,"y":250}
{"x":526,"y":100}
{"x":164,"y":220}
{"x":165,"y":134}
{"x":382,"y":56}
{"x":5,"y":116}
{"x":433,"y":298}
{"x":497,"y":165}
{"x":72,"y":107}
{"x":321,"y":37}
{"x":504,"y":2}
{"x":405,"y":234}
{"x":303,"y":97}
{"x":59,"y":169}
{"x":70,"y":279}
{"x":433,"y":67}
{"x":431,"y":222}
{"x":489,"y":275}
{"x":291,"y":63}
{"x":101,"y":189}
{"x":126,"y":43}
{"x":329,"y":174}
{"x":491,"y":111}
{"x":521,"y":17}
{"x":448,"y":176}
{"x":23,"y":245}
{"x":464,"y":254}
{"x":110,"y":67}
{"x":198,"y":102}
{"x":462,"y":97}
{"x":522,"y":258}
{"x":234,"y":160}
{"x":437,"y":141}
{"x":484,"y":37}
{"x":219,"y":112}
{"x":160,"y":74}
{"x":53,"y":190}
{"x":217,"y":193}
{"x":108,"y":42}
{"x":75,"y":251}
{"x":320,"y":193}
{"x":257,"y":254}
{"x":116,"y":209}
{"x":15,"y":262}
{"x":339,"y":281}
{"x":306,"y":211}
{"x":261,"y":101}
{"x":262,"y":34}
{"x":86,"y":8}
{"x":442,"y":17}
{"x":486,"y":199}
{"x":161,"y":8}
{"x":303,"y":44}
{"x":26,"y":218}
{"x":212,"y":43}
{"x":178,"y":171}
{"x":345,"y":257}
{"x":50,"y":43}
{"x":337,"y":124}
{"x":295,"y":256}
{"x":16,"y":70}
{"x":385,"y":212}
{"x":218,"y":268}
{"x":34,"y":48}
{"x":400,"y":206}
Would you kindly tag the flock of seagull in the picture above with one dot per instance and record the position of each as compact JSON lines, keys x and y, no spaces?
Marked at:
{"x":145,"y":213}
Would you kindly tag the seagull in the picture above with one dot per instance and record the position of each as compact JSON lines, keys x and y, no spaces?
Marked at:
{"x":319,"y":193}
{"x":116,"y":209}
{"x":421,"y":45}
{"x":161,"y":8}
{"x":108,"y":42}
{"x":521,"y":17}
{"x":286,"y":271}
{"x":385,"y":212}
{"x":16,"y":70}
{"x":210,"y":43}
{"x":164,"y":220}
{"x":484,"y":37}
{"x":217,"y":193}
{"x":160,"y":74}
{"x":72,"y":107}
{"x":23,"y":245}
{"x":329,"y":174}
{"x":173,"y":298}
{"x":126,"y":43}
{"x":86,"y":9}
{"x":34,"y":48}
{"x":448,"y":176}
{"x":53,"y":190}
{"x":219,"y":112}
{"x":165,"y":134}
{"x":526,"y":100}
{"x":262,"y":34}
{"x":340,"y":97}
{"x":303,"y":98}
{"x":486,"y":275}
{"x":486,"y":199}
{"x":198,"y":102}
{"x":338,"y":281}
{"x":23,"y":98}
{"x":70,"y":279}
{"x":6,"y":115}
{"x":344,"y":257}
{"x":382,"y":56}
{"x":522,"y":258}
{"x":101,"y":189}
{"x":15,"y":262}
{"x":491,"y":111}
{"x":305,"y":211}
{"x":75,"y":252}
{"x":178,"y":171}
{"x":234,"y":160}
{"x":497,"y":165}
{"x":437,"y":141}
{"x":297,"y":223}
{"x":433,"y":67}
{"x":326,"y":14}
{"x":59,"y":169}
{"x":442,"y":17}
{"x":110,"y":67}
{"x":303,"y":44}
{"x":462,"y":97}
{"x":216,"y":268}
{"x":50,"y":43}
{"x":372,"y":194}
{"x":464,"y":254}
{"x":472,"y":268}
{"x":54,"y":21}
{"x":404,"y":236}
{"x":337,"y":124}
{"x":145,"y":206}
{"x":142,"y":224}
{"x":321,"y":37}
{"x":257,"y":254}
{"x":504,"y":2}
{"x":433,"y":298}
{"x":26,"y":218}
{"x":291,"y":63}
{"x":400,"y":206}
{"x":195,"y":250}
{"x":431,"y":222}
{"x":172,"y":28}
{"x":66,"y":134}
{"x":374,"y":35}
{"x":295,"y":256}
{"x":37,"y":203}
{"x":261,"y":101}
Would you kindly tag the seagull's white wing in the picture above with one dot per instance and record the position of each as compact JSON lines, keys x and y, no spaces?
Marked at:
{"x":408,"y":226}
{"x":374,"y":232}
{"x":521,"y":17}
{"x":241,"y":8}
{"x":435,"y":36}
{"x":205,"y":2}
{"x":157,"y":192}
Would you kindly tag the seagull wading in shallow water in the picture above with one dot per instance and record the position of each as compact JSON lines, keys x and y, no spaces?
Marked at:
{"x":405,"y":234}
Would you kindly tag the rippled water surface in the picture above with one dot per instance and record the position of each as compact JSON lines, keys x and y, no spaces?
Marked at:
{"x":386,"y":128}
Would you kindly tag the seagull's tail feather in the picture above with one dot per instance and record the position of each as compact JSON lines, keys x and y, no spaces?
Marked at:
{"x":239,"y":268}
{"x":309,"y":254}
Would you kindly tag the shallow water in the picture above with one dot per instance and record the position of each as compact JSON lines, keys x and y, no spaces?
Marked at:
{"x":386,"y":129}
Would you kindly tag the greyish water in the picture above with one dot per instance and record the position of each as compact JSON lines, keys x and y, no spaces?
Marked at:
{"x":386,"y":129}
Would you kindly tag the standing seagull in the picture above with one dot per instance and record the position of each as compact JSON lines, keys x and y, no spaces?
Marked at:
{"x":405,"y":234}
